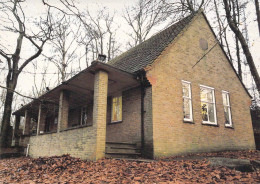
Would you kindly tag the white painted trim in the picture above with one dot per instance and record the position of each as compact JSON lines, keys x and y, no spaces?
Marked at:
{"x":190,"y":100}
{"x":223,"y":91}
{"x":229,"y":109}
{"x":207,"y":87}
{"x":186,"y":81}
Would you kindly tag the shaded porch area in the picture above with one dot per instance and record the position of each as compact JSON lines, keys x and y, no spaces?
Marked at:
{"x":75,"y":117}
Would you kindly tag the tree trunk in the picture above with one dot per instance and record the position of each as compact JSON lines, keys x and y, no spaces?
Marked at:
{"x":239,"y":67}
{"x":5,"y":135}
{"x":244,"y":45}
{"x":236,"y":18}
{"x":257,"y":14}
{"x":218,"y":19}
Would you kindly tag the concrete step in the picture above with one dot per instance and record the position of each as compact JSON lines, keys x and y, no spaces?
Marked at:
{"x":123,"y":155}
{"x":122,"y":150}
{"x":120,"y":145}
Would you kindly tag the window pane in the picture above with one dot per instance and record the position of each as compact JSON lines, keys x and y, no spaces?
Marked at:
{"x":186,"y":108}
{"x":114,"y":116}
{"x":186,"y":89}
{"x":117,"y":109}
{"x":203,"y":94}
{"x":204,"y":110}
{"x":226,"y":111}
{"x":206,"y":95}
{"x":211,"y":113}
{"x":209,"y":96}
{"x":225,"y":99}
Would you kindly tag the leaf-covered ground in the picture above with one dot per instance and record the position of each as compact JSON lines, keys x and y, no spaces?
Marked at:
{"x":66,"y":169}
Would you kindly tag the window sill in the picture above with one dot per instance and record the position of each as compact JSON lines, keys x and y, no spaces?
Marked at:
{"x":210,"y":124}
{"x":190,"y":122}
{"x":114,"y":122}
{"x":231,"y":127}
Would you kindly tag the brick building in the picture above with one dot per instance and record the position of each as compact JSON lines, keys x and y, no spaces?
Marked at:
{"x":153,"y":99}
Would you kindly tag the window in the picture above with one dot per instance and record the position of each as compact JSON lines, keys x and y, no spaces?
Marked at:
{"x":187,"y":103}
{"x":227,"y":109}
{"x":84,"y":116}
{"x":116,"y":109}
{"x":208,"y":107}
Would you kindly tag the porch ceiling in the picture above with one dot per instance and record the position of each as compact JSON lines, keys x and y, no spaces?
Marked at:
{"x":81,"y":87}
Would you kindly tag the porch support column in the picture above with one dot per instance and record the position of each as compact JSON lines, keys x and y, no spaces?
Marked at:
{"x":16,"y":129}
{"x":63,"y":116}
{"x":27,"y":122}
{"x":41,"y":119}
{"x":100,"y":111}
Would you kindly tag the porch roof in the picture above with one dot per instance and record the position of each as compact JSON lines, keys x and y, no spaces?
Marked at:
{"x":81,"y":87}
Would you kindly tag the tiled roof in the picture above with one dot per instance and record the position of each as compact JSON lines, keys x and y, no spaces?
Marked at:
{"x":145,"y":53}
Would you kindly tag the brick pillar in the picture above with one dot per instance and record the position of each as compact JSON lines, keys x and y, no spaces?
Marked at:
{"x":16,"y":129}
{"x":41,"y":119}
{"x":63,"y":116}
{"x":27,"y":122}
{"x":100,"y":112}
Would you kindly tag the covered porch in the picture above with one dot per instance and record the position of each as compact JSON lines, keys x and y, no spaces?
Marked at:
{"x":73,"y":117}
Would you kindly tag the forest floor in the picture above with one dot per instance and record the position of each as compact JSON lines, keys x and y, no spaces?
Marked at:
{"x":181,"y":169}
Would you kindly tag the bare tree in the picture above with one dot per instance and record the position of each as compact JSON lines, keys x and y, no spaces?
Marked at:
{"x":143,"y":17}
{"x":236,"y":17}
{"x":233,"y":25}
{"x":192,"y":5}
{"x":99,"y":35}
{"x":112,"y":44}
{"x":40,"y":86}
{"x":64,"y":44}
{"x":15,"y":23}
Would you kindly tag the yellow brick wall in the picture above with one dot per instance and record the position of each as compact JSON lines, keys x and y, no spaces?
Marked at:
{"x":171,"y":136}
{"x":78,"y":143}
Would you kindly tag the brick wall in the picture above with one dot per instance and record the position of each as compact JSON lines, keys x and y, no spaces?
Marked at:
{"x":171,"y":136}
{"x":78,"y":143}
{"x":129,"y":130}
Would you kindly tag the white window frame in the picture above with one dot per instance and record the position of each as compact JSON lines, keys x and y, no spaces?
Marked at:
{"x":214,"y":105}
{"x":229,"y":108}
{"x":190,"y":100}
